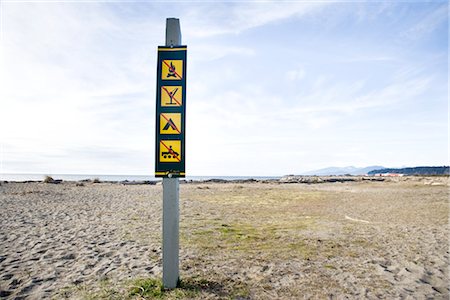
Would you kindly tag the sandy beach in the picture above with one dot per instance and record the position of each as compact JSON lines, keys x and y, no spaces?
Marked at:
{"x":329,"y":240}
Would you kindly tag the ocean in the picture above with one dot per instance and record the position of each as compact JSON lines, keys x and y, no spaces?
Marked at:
{"x":77,"y":177}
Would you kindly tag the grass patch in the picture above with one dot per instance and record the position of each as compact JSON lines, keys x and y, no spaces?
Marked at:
{"x":238,"y":232}
{"x":269,"y":236}
{"x":304,"y":249}
{"x":228,"y":236}
{"x":151,"y":288}
{"x":104,"y":289}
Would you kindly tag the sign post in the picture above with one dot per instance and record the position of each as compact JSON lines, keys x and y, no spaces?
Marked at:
{"x":170,"y":142}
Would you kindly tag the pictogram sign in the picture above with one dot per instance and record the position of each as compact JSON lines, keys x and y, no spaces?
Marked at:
{"x":172,"y":70}
{"x":171,"y":96}
{"x":170,"y":151}
{"x":170,"y":112}
{"x":170,"y":123}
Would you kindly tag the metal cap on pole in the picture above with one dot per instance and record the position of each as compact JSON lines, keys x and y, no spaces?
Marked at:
{"x":173,"y":32}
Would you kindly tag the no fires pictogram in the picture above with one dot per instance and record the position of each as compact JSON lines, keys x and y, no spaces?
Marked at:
{"x":172,"y":70}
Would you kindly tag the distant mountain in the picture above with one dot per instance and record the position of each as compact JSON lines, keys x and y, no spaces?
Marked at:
{"x":343,"y":171}
{"x":444,"y":170}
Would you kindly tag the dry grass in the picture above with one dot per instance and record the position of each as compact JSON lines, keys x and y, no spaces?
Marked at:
{"x":285,"y":238}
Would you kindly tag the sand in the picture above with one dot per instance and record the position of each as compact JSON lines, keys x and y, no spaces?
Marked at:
{"x":240,"y":240}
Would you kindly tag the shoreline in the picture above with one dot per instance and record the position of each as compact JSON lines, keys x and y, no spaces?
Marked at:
{"x":287,"y":179}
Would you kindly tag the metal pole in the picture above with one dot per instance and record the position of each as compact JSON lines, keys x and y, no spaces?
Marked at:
{"x":170,"y":232}
{"x":171,"y":211}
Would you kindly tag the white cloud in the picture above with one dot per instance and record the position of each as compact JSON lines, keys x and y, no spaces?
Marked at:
{"x":247,"y":15}
{"x":296,"y":75}
{"x":429,"y":23}
{"x":201,"y":52}
{"x":235,"y":17}
{"x":325,"y":106}
{"x":367,"y":58}
{"x":61,"y":80}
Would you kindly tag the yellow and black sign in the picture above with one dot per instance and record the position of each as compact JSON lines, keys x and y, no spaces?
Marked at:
{"x":172,"y":69}
{"x":172,"y":96}
{"x":170,"y":151}
{"x":170,"y":112}
{"x":170,"y":123}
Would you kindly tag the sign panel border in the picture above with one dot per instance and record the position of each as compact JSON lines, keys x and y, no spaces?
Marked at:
{"x":170,"y":169}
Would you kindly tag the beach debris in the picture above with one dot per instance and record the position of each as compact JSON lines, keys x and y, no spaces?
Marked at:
{"x":356,"y":220}
{"x":338,"y":179}
{"x":139,"y":182}
{"x":323,"y":179}
{"x":49,"y":179}
{"x":215,"y":180}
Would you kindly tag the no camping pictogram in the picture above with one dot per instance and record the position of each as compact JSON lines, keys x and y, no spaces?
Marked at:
{"x":170,"y":123}
{"x":171,"y":95}
{"x":170,"y":151}
{"x":172,"y":70}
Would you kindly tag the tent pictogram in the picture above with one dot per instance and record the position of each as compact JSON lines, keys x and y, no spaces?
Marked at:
{"x":170,"y":123}
{"x":172,"y":70}
{"x":171,"y":95}
{"x":170,"y":151}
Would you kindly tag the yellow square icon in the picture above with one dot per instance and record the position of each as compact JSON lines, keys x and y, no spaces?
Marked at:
{"x":170,"y":151}
{"x":172,"y":69}
{"x":171,"y":96}
{"x":170,"y":123}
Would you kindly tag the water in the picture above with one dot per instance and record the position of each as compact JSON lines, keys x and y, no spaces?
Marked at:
{"x":77,"y":177}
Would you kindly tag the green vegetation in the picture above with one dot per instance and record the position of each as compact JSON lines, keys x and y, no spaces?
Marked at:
{"x":274,"y":243}
{"x":249,"y":238}
{"x":331,"y":267}
{"x":424,"y":171}
{"x":151,"y":288}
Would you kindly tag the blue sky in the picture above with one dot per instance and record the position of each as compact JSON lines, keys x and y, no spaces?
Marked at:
{"x":274,"y":87}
